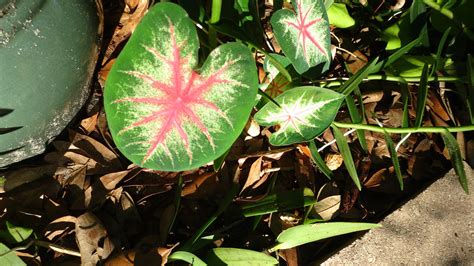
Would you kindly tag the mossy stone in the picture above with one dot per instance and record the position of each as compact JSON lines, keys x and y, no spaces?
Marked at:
{"x":48,"y":51}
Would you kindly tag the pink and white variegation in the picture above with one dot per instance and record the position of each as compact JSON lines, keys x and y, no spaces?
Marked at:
{"x":162,"y":112}
{"x":304,"y":34}
{"x":304,"y":113}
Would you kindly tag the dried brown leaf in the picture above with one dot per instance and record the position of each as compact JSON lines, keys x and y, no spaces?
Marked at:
{"x":96,"y":194}
{"x":254,"y":175}
{"x":437,"y":107}
{"x":88,"y":124}
{"x":26,"y":175}
{"x":355,"y":61}
{"x":134,"y":12}
{"x":328,"y":208}
{"x":96,"y":150}
{"x":333,"y":161}
{"x":89,"y":233}
{"x":60,"y":227}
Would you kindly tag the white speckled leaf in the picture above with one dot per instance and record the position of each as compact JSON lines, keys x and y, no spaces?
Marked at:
{"x":305,"y":113}
{"x":304,"y":36}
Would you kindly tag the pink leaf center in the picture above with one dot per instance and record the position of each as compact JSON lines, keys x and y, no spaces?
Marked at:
{"x":303,"y":25}
{"x":178,"y":99}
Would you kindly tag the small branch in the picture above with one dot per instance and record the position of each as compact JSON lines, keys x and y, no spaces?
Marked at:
{"x":405,"y":130}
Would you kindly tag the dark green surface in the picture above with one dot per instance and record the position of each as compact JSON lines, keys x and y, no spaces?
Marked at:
{"x":48,"y":51}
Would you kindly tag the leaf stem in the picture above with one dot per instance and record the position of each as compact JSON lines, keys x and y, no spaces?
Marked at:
{"x":215,"y":11}
{"x":334,"y":82}
{"x":405,"y":130}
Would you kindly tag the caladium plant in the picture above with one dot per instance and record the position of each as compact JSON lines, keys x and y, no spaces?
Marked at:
{"x":162,"y":112}
{"x":304,"y":34}
{"x":278,"y":83}
{"x":304,"y":113}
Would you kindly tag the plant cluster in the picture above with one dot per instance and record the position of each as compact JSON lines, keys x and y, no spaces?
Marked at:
{"x":168,"y":111}
{"x":196,"y":79}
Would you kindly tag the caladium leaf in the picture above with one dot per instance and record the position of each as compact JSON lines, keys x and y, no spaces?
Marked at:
{"x":163,"y":114}
{"x":304,"y":34}
{"x":278,"y":83}
{"x":304,"y":113}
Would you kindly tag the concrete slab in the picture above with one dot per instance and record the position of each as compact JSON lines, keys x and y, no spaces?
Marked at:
{"x":435,"y":228}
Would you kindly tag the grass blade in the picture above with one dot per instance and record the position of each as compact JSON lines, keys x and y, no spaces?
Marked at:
{"x":438,"y":65}
{"x":405,"y":97}
{"x":318,"y":160}
{"x":220,"y":161}
{"x":177,"y":204}
{"x":280,"y":201}
{"x":394,"y":157}
{"x":456,"y":159}
{"x":353,"y":82}
{"x":237,"y":256}
{"x":422,"y":95}
{"x":268,"y":97}
{"x":400,"y":52}
{"x":346,"y":155}
{"x":187,"y":257}
{"x":470,"y":86}
{"x":357,"y":119}
{"x":307,"y":233}
{"x":234,"y":190}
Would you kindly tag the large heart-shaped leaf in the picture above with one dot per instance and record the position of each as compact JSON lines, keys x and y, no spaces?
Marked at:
{"x":304,"y":113}
{"x":164,"y":114}
{"x":304,"y":35}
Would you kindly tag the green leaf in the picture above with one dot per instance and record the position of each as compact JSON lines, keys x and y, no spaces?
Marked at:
{"x":439,"y":51}
{"x":357,"y":119}
{"x":399,"y":53}
{"x":220,"y":161}
{"x":237,"y":256}
{"x":354,"y":81}
{"x":394,"y":157}
{"x":422,"y":95}
{"x":402,"y":31}
{"x":470,"y":86}
{"x":223,"y":205}
{"x":280,"y":201}
{"x":187,"y":257}
{"x":318,"y":160}
{"x":163,"y":113}
{"x":343,"y":147}
{"x":417,"y":8}
{"x":328,"y":4}
{"x":278,"y":82}
{"x":305,"y":113}
{"x":304,"y":35}
{"x":411,"y":66}
{"x":9,"y":258}
{"x":307,"y":233}
{"x":405,"y":99}
{"x":339,"y":16}
{"x":456,"y":158}
{"x":18,"y":234}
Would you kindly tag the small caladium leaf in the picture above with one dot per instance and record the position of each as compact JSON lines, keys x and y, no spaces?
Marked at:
{"x":278,"y":83}
{"x":163,"y":114}
{"x":304,"y":113}
{"x":304,"y":34}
